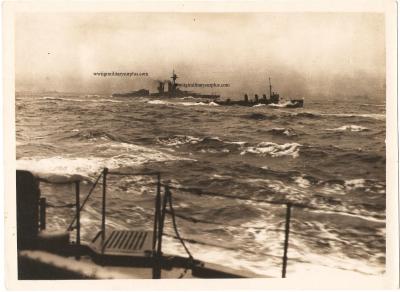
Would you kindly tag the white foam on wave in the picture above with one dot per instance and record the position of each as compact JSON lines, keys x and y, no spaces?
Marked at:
{"x":157,"y":101}
{"x":380,"y":117}
{"x":184,"y":103}
{"x":355,"y":183}
{"x":349,"y":128}
{"x":82,"y":100}
{"x":304,"y":261}
{"x":258,"y":105}
{"x":333,"y":189}
{"x":185,"y":139}
{"x":286,"y":131}
{"x":302,"y":182}
{"x":274,"y":150}
{"x":241,"y":143}
{"x":107,"y":100}
{"x":129,"y":155}
{"x":344,"y":213}
{"x":62,"y":99}
{"x":179,"y":140}
{"x":278,"y":105}
{"x":199,"y":103}
{"x":192,"y":103}
{"x":373,"y":104}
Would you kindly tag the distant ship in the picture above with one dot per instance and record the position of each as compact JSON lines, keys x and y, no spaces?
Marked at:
{"x":274,"y":99}
{"x":166,"y":89}
{"x":170,"y":89}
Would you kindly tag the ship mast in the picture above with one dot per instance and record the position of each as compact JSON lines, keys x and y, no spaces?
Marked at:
{"x":174,"y":77}
{"x":270,"y":87}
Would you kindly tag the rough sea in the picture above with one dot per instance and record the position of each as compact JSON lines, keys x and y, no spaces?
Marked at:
{"x":226,"y":165}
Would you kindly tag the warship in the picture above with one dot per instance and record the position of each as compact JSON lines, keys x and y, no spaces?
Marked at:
{"x":273,"y":100}
{"x":170,"y":89}
{"x":166,"y":89}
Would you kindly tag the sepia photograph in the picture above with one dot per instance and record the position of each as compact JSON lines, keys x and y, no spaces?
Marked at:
{"x":200,"y":144}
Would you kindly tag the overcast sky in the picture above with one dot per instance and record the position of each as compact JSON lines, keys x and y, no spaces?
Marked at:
{"x":306,"y":54}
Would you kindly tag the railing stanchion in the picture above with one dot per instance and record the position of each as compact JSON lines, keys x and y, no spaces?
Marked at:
{"x":166,"y":198}
{"x":286,"y":246}
{"x":78,"y":214}
{"x":42,"y":208}
{"x":103,"y":211}
{"x":156,"y":228}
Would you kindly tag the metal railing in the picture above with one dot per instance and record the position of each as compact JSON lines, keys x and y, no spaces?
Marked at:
{"x":161,"y":204}
{"x":159,"y":214}
{"x":43,"y":204}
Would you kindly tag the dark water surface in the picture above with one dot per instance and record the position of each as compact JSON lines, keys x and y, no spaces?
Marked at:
{"x":329,"y":156}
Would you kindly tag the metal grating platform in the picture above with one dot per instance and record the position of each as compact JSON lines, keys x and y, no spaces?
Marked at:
{"x":124,"y":242}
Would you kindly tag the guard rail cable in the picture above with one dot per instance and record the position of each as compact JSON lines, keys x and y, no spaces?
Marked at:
{"x":161,"y":211}
{"x":168,"y":197}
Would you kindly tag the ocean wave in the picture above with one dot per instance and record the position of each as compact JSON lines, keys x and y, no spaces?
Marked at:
{"x":373,"y":104}
{"x":273,"y":149}
{"x":258,"y":116}
{"x":53,"y":98}
{"x":157,"y":101}
{"x":184,"y":103}
{"x":93,"y":135}
{"x":349,"y":128}
{"x":188,"y":103}
{"x":282,"y":105}
{"x":355,"y":183}
{"x":311,"y":115}
{"x":61,"y":99}
{"x":128,"y":155}
{"x":214,"y":145}
{"x":342,"y":187}
{"x":283,"y":131}
{"x":178,"y":140}
{"x":107,"y":100}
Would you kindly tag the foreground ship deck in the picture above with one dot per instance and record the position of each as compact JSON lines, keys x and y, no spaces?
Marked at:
{"x":112,"y":254}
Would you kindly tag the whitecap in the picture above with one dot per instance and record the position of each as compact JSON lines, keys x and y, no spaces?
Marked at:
{"x":355,"y":183}
{"x":157,"y":101}
{"x":350,"y":128}
{"x":179,"y":140}
{"x":380,"y":117}
{"x":285,"y":104}
{"x":274,"y":150}
{"x":302,"y":182}
{"x":130,"y":156}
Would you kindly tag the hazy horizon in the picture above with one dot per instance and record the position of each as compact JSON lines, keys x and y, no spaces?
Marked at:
{"x":334,"y":55}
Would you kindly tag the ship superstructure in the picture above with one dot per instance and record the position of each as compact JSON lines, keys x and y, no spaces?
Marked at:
{"x":167,"y":89}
